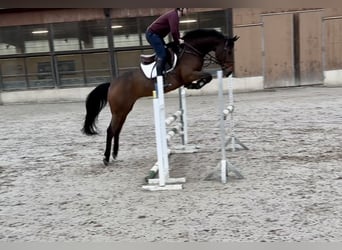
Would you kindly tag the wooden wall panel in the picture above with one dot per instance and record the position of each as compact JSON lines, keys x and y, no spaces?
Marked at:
{"x":333,"y":44}
{"x":278,"y":50}
{"x":310,"y":48}
{"x":248,"y":56}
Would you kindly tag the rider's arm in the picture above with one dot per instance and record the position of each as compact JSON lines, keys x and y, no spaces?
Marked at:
{"x":174,"y":27}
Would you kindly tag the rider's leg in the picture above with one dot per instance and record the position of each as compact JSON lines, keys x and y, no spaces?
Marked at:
{"x":160,"y":66}
{"x":159,"y":47}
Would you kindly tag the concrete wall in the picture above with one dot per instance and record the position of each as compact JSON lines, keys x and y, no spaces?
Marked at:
{"x":44,"y":96}
{"x":333,"y":78}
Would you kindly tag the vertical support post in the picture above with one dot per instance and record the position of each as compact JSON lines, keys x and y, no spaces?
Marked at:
{"x":158,"y":138}
{"x":162,"y":148}
{"x":159,"y":117}
{"x":233,"y":140}
{"x":222,"y":130}
{"x":223,"y":164}
{"x":182,"y":107}
{"x":296,"y":49}
{"x":1,"y":84}
{"x":229,"y":21}
{"x":54,"y":62}
{"x":231,"y":103}
{"x":113,"y":68}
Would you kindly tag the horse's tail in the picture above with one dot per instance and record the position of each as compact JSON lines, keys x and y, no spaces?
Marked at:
{"x":95,"y":102}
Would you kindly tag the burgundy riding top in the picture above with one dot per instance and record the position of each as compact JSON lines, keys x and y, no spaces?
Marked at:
{"x":165,"y":24}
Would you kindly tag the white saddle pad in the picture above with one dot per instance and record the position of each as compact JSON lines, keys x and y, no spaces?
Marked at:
{"x":150,"y":70}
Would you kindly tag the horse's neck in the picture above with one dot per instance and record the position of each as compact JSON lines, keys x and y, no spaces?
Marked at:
{"x":204,"y":46}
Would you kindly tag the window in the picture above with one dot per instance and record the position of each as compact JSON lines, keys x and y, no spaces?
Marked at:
{"x":70,"y":70}
{"x":24,"y":39}
{"x":80,"y":49}
{"x":35,"y":38}
{"x":127,"y":60}
{"x":213,"y":20}
{"x":97,"y":68}
{"x":10,"y":41}
{"x":39,"y":72}
{"x":13,"y":73}
{"x":144,"y":23}
{"x":93,"y":35}
{"x":187,"y":23}
{"x":66,"y":36}
{"x":125,"y":31}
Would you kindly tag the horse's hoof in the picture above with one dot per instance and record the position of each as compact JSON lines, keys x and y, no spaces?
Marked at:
{"x":105,"y":162}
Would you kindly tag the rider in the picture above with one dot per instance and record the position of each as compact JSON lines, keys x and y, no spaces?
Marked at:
{"x":160,"y":28}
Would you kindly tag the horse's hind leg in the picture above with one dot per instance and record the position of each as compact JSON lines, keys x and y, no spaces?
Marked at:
{"x":113,"y":130}
{"x":110,"y":135}
{"x":116,"y":145}
{"x":117,"y":131}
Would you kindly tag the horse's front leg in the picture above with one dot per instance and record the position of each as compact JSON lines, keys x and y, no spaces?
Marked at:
{"x":201,"y":78}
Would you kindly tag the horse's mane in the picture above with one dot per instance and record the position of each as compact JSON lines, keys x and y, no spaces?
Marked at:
{"x":200,"y":33}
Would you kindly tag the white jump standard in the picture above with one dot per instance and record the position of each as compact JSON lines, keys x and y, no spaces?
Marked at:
{"x":229,"y":111}
{"x":224,"y":164}
{"x":181,"y":128}
{"x":164,"y":182}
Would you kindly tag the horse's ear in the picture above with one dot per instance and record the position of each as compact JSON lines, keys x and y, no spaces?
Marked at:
{"x":235,"y":38}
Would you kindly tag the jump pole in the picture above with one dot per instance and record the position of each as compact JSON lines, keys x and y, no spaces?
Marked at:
{"x":224,"y":165}
{"x":185,"y":147}
{"x":164,"y":182}
{"x":181,"y":129}
{"x":182,"y":107}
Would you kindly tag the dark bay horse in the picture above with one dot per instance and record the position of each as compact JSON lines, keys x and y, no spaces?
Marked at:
{"x":123,"y":91}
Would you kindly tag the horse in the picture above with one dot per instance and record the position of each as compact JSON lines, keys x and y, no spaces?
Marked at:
{"x":122,"y":92}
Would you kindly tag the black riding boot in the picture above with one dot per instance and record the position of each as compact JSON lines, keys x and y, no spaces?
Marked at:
{"x":161,"y":71}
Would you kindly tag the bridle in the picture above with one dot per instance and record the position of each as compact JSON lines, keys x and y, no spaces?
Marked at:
{"x":208,"y":58}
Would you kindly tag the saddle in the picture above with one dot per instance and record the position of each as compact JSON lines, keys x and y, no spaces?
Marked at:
{"x":148,"y":63}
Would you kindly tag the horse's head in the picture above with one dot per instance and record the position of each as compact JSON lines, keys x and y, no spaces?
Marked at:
{"x":202,"y":41}
{"x":224,"y":54}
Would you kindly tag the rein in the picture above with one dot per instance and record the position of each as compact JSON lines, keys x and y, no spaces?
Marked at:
{"x":206,"y":57}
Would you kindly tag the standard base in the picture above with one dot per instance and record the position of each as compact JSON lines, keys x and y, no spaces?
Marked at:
{"x":171,"y":184}
{"x":163,"y":188}
{"x":218,"y":175}
{"x":184,"y":149}
{"x":237,"y":142}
